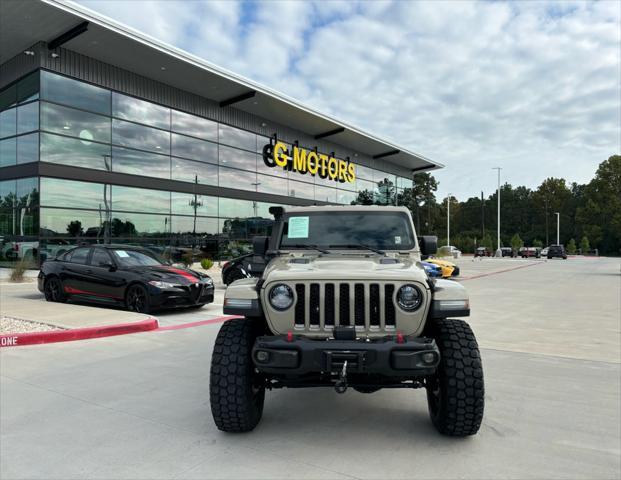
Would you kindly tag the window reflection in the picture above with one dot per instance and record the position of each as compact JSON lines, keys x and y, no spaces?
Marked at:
{"x":364,"y":172}
{"x":8,"y":152}
{"x":78,"y":153}
{"x":141,"y":199}
{"x":28,"y":117}
{"x":75,"y":123}
{"x":129,"y":134}
{"x":232,"y":207}
{"x":125,"y":160}
{"x":231,"y":178}
{"x":237,"y":138}
{"x":8,"y":97}
{"x":184,"y":203}
{"x":190,"y":171}
{"x":130,"y":108}
{"x":345,"y":197}
{"x":74,"y":93}
{"x":28,"y":88}
{"x":234,"y":158}
{"x":194,"y":149}
{"x":28,"y":148}
{"x":269,"y":184}
{"x":194,"y":126}
{"x":130,"y":225}
{"x":57,"y":222}
{"x":301,"y":190}
{"x":182,"y":225}
{"x":325,"y":194}
{"x":8,"y":122}
{"x":362,"y":185}
{"x":68,"y":193}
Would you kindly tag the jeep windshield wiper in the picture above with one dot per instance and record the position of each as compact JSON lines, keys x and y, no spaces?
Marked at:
{"x":304,"y":245}
{"x":358,"y":245}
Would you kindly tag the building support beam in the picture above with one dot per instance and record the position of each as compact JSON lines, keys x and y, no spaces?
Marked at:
{"x":386,"y":154}
{"x":329,"y":133}
{"x":238,"y":98}
{"x":68,"y":35}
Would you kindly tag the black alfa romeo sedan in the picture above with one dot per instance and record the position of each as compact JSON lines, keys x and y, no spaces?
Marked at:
{"x":122,"y":275}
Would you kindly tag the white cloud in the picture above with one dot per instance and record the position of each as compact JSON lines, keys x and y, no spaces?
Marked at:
{"x":533,"y":87}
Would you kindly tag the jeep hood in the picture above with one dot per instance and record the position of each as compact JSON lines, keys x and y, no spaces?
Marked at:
{"x":346,"y":266}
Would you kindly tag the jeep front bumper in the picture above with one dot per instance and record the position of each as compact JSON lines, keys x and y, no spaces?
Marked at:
{"x":386,"y":356}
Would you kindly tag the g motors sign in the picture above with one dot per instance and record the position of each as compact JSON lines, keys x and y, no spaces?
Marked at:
{"x":305,"y":161}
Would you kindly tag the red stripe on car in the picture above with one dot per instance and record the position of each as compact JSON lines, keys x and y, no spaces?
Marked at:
{"x":183,"y":273}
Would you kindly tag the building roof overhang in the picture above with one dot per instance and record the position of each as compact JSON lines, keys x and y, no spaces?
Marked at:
{"x":24,"y":23}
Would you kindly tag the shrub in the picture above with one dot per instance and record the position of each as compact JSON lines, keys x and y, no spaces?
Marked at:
{"x":206,"y":263}
{"x":571,"y":247}
{"x":585,"y":246}
{"x":187,"y":259}
{"x":17,"y":272}
{"x":444,"y":252}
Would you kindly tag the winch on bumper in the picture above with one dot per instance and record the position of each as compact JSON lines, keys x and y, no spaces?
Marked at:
{"x":390,"y":356}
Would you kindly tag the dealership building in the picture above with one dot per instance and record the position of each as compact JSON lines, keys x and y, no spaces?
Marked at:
{"x":107,"y":135}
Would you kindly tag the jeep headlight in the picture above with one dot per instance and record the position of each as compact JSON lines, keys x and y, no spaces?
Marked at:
{"x":281,"y":297}
{"x":409,"y":298}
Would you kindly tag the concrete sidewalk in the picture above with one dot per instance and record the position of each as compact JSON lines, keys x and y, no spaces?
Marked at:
{"x":24,"y":301}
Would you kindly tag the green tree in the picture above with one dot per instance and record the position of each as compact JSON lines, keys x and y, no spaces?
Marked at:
{"x":487,"y":242}
{"x":571,"y":247}
{"x":74,"y":228}
{"x":585,"y":246}
{"x":516,"y":242}
{"x":537,"y":243}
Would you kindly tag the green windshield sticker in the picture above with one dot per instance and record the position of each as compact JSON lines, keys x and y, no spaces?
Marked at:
{"x":298,"y":227}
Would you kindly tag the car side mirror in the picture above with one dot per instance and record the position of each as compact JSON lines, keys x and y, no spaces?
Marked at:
{"x":260,"y":245}
{"x":110,"y":266}
{"x":428,"y":244}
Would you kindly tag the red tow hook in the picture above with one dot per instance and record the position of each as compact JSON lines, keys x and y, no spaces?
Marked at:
{"x":400,"y":338}
{"x":289,"y":336}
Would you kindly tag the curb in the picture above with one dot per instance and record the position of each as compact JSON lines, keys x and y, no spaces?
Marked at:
{"x":488,"y":274}
{"x":37,"y":338}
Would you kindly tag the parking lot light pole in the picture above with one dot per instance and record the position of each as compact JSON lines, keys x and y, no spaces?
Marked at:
{"x":448,"y":219}
{"x":558,"y":229}
{"x":498,"y":251}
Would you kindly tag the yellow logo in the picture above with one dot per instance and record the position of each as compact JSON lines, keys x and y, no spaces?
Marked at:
{"x":305,"y":161}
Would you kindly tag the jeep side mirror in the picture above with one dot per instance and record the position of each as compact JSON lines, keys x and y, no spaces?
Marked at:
{"x":428,"y":244}
{"x":260,"y":245}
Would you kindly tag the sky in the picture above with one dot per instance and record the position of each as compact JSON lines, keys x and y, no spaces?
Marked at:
{"x":531,"y":87}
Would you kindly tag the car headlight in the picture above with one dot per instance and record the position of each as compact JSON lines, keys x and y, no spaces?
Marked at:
{"x":207,"y":281}
{"x":158,"y":284}
{"x":409,"y":298}
{"x":281,"y":297}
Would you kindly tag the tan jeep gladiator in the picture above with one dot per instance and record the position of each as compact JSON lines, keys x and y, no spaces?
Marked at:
{"x":343,"y":301}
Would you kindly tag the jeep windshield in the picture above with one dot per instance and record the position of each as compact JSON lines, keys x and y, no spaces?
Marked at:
{"x":364,"y":230}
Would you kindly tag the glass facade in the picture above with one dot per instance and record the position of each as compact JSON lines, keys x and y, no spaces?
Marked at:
{"x":59,"y":120}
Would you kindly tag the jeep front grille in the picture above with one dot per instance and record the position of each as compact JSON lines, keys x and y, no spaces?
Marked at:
{"x":368,"y":306}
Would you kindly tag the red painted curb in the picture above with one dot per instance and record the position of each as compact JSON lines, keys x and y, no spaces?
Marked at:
{"x":35,"y":338}
{"x":197,"y":324}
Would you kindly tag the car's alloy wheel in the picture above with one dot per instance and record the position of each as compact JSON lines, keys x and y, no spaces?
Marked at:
{"x":137,"y":299}
{"x":53,"y":290}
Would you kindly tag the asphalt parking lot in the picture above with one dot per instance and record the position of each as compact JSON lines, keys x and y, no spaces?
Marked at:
{"x":136,"y":406}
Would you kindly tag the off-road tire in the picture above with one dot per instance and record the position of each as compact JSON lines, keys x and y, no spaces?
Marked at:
{"x":456,"y":393}
{"x":236,"y":392}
